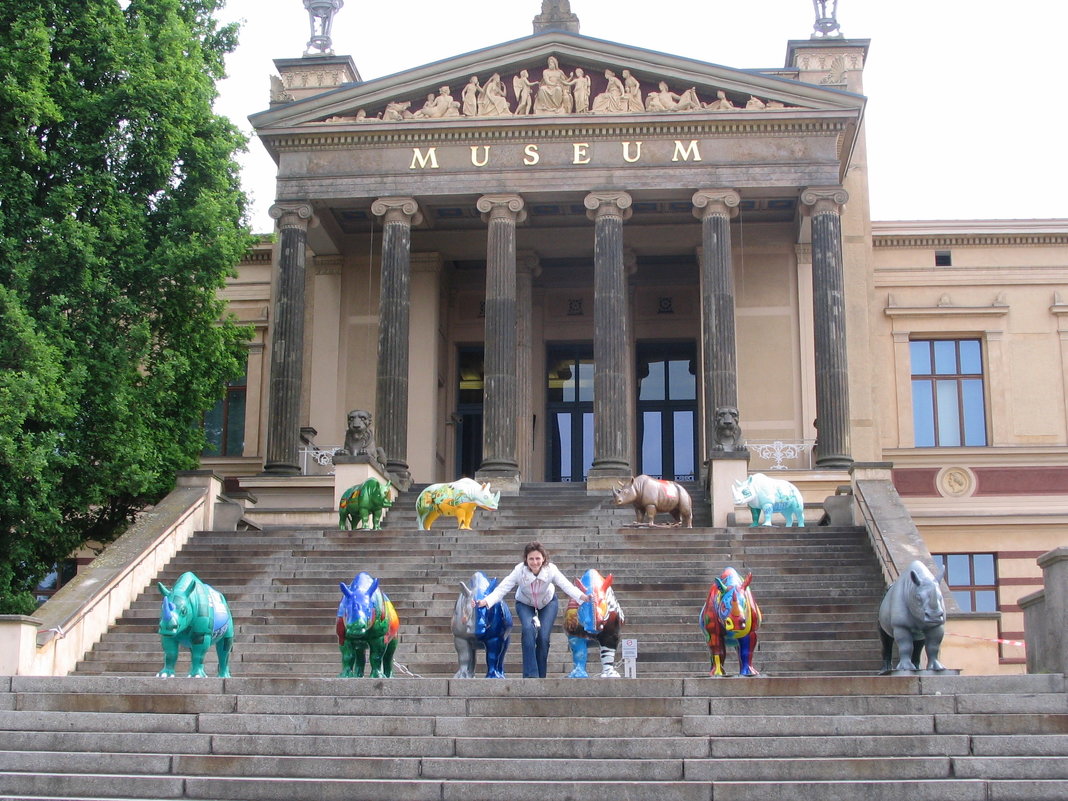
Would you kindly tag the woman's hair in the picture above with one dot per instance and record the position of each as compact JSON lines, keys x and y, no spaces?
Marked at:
{"x":535,"y":546}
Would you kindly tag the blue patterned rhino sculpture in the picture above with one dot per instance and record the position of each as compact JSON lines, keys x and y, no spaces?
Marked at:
{"x":196,"y":616}
{"x":770,"y":495}
{"x":366,"y":620}
{"x":599,"y":619}
{"x":475,"y":627}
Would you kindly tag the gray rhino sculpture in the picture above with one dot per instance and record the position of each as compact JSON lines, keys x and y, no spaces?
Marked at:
{"x":913,"y":614}
{"x":650,"y":495}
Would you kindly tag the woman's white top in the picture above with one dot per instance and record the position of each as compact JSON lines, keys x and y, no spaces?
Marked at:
{"x":534,"y":590}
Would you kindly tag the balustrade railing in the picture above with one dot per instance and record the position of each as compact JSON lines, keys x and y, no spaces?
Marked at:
{"x":780,"y":451}
{"x":316,"y":461}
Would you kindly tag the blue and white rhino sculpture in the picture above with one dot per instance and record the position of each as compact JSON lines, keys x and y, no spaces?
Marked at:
{"x":770,"y":495}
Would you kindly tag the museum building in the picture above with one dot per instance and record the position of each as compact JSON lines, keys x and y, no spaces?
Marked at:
{"x":563,"y":259}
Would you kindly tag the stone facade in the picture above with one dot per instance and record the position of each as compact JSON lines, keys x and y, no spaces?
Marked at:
{"x":718,"y":229}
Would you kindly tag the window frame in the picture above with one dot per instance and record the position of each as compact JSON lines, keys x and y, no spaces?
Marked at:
{"x":959,"y":380}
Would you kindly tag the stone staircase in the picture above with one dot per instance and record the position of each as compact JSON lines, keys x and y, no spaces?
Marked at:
{"x":818,"y":587}
{"x":820,"y":724}
{"x":695,"y":739}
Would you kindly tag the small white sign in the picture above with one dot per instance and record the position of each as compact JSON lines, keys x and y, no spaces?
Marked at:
{"x":630,"y":649}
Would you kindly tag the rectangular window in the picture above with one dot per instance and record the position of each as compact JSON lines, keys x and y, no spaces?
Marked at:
{"x":948,"y":401}
{"x":943,"y":258}
{"x":224,"y":424}
{"x":972,"y":578}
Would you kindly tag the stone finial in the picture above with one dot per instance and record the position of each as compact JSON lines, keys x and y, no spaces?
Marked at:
{"x":556,"y":16}
{"x":321,"y":16}
{"x":826,"y":19}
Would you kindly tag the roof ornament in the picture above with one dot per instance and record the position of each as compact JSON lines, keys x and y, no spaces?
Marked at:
{"x":556,"y":16}
{"x":826,"y":20}
{"x":321,"y":15}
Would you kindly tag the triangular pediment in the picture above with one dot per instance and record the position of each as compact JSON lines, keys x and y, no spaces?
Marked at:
{"x":557,"y":77}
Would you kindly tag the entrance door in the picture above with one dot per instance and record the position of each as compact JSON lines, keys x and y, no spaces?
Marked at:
{"x":468,"y":417}
{"x":667,"y":410}
{"x":570,"y":411}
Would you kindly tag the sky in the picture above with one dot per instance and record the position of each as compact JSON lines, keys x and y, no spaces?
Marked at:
{"x":966,"y":103}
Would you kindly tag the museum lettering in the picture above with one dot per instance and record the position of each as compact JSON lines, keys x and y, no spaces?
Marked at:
{"x":574,"y":153}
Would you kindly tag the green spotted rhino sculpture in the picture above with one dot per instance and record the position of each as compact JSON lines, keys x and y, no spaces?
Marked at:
{"x":364,"y":505}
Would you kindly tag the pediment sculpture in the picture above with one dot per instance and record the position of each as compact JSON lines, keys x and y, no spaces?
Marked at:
{"x":556,"y":92}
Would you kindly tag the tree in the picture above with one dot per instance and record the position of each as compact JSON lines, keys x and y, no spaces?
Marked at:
{"x":121,"y":216}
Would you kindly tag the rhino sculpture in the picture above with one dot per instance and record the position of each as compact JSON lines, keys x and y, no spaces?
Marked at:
{"x":364,"y":505}
{"x":599,"y":619}
{"x":194,"y":615}
{"x":475,"y":627}
{"x":650,"y":496}
{"x":770,"y":495}
{"x":366,"y":620}
{"x":913,"y":614}
{"x":457,"y":499}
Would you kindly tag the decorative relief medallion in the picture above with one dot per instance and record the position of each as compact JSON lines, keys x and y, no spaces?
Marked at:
{"x":955,"y":482}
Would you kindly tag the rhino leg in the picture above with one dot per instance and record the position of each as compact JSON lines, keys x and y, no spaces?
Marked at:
{"x":197,"y":652}
{"x":608,"y":663}
{"x":496,"y":648}
{"x":905,"y":646}
{"x":579,"y":652}
{"x":465,"y":658}
{"x":387,"y":660}
{"x":888,"y":650}
{"x":933,"y":645}
{"x":650,"y":513}
{"x":746,"y":646}
{"x":170,"y":657}
{"x":222,"y":649}
{"x":348,"y":660}
{"x":755,"y":511}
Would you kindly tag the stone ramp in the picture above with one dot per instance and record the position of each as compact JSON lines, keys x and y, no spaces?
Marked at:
{"x":695,"y":739}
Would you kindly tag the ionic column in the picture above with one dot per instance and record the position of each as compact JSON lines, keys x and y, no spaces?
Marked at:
{"x":391,"y":396}
{"x":287,"y":340}
{"x":499,"y":434}
{"x":528,"y":267}
{"x":715,"y":208}
{"x":829,"y":330}
{"x":611,"y":341}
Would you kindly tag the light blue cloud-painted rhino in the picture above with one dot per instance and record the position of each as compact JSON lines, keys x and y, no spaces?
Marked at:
{"x":770,"y":495}
{"x":913,"y":614}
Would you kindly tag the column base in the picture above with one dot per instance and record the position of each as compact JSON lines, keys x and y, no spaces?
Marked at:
{"x":399,"y":474}
{"x":281,"y":469}
{"x":833,"y":461}
{"x":606,"y":476}
{"x":502,"y":476}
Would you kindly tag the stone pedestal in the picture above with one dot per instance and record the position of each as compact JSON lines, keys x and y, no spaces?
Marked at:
{"x":723,"y":470}
{"x":1046,"y":616}
{"x":18,"y":644}
{"x":350,"y":471}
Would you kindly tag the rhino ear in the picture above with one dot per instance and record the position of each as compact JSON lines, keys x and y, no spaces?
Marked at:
{"x":373,"y":588}
{"x":940,"y":574}
{"x":745,"y":583}
{"x":607,"y":582}
{"x":492,"y":585}
{"x":721,"y":584}
{"x":163,"y":590}
{"x":345,"y":589}
{"x":466,"y":589}
{"x":915,"y":578}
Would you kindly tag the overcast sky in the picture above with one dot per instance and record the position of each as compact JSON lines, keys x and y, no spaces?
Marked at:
{"x":967,"y":102}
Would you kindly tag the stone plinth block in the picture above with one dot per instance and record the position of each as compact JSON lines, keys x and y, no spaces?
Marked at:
{"x":352,"y":470}
{"x":723,"y":470}
{"x":18,"y":644}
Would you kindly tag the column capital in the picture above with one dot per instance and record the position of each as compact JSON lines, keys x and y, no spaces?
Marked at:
{"x":528,"y":262}
{"x":723,"y":202}
{"x":823,"y":199}
{"x":608,"y":203}
{"x":398,"y":209}
{"x":297,"y":214}
{"x":507,"y":206}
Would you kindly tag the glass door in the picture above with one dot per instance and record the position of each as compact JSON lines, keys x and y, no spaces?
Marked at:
{"x":569,"y":408}
{"x":667,"y":410}
{"x":468,"y":417}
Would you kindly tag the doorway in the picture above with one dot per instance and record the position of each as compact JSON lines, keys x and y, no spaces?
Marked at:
{"x":569,"y":410}
{"x":468,"y":417}
{"x":667,"y":410}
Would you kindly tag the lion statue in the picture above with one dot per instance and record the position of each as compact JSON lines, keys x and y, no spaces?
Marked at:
{"x":360,"y":438}
{"x":728,"y":434}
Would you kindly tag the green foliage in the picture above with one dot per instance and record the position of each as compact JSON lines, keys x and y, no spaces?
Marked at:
{"x":121,"y":216}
